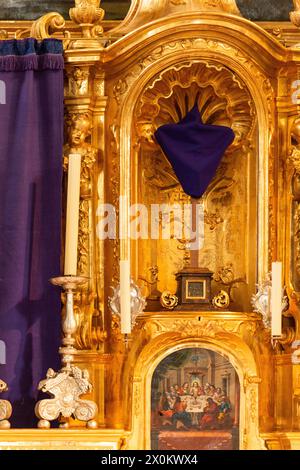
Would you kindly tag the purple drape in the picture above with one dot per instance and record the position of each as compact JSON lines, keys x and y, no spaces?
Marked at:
{"x":31,"y":140}
{"x":194,"y":150}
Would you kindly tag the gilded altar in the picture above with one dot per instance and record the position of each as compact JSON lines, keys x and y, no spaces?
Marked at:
{"x":123,"y":81}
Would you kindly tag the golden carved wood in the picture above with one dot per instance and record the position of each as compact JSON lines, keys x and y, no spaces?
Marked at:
{"x":142,"y":12}
{"x":116,"y":94}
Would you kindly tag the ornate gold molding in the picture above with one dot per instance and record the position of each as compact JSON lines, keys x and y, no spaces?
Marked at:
{"x":66,"y":439}
{"x":161,"y":102}
{"x":294,"y":159}
{"x":168,"y":300}
{"x":141,"y":12}
{"x":48,"y":24}
{"x":79,"y":132}
{"x":88,"y":15}
{"x":79,"y":129}
{"x":162,"y":333}
{"x":295,"y":15}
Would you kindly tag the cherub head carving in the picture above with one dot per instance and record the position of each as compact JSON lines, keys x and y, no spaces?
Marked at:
{"x":79,"y":129}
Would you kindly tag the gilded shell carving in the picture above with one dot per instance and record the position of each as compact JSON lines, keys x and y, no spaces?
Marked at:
{"x":222,"y":98}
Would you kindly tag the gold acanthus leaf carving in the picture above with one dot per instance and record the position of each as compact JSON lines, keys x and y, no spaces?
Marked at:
{"x":164,"y":332}
{"x":294,"y":159}
{"x":295,"y":15}
{"x":116,"y":328}
{"x":225,"y":276}
{"x":78,"y":131}
{"x":205,"y":328}
{"x":253,"y":405}
{"x":137,"y":394}
{"x":115,"y":188}
{"x":48,"y":24}
{"x":83,"y":237}
{"x":88,"y":15}
{"x":213,"y":219}
{"x":78,"y":81}
{"x":251,"y":379}
{"x":296,"y":218}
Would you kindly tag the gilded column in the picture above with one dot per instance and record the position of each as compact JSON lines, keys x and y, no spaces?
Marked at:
{"x":85,"y":104}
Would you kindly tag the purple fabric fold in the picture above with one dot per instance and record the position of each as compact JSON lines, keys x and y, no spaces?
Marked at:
{"x":194,"y":150}
{"x":31,"y":143}
{"x":11,"y":63}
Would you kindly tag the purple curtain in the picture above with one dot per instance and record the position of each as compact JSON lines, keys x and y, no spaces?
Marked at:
{"x":31,"y":140}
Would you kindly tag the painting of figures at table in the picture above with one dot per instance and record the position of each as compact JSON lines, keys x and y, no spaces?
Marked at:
{"x":195,"y":402}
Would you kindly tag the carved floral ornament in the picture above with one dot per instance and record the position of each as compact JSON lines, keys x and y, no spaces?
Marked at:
{"x":87,"y":14}
{"x":294,"y":157}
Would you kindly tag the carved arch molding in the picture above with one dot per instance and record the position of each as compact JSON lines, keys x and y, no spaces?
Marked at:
{"x":222,"y":97}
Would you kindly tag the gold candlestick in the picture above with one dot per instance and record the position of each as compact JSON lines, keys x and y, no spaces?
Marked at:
{"x":67,"y":385}
{"x":5,"y":408}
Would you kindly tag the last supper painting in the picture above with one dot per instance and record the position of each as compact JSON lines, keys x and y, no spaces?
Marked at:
{"x":195,"y":402}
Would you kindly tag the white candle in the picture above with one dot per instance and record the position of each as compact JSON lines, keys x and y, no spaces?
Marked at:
{"x":125,"y":277}
{"x":276,"y":299}
{"x":72,"y":222}
{"x":125,"y":297}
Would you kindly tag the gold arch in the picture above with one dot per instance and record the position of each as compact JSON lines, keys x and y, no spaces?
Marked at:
{"x":262,"y":97}
{"x":222,"y":98}
{"x":239,"y":355}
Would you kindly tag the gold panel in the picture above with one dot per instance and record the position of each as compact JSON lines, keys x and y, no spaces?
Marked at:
{"x":223,"y":99}
{"x":54,"y":439}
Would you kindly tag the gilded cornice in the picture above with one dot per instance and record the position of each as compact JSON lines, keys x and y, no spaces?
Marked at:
{"x":142,"y":12}
{"x":213,"y":27}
